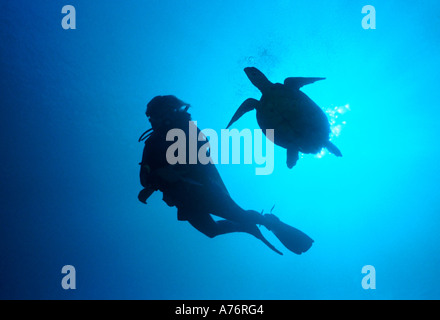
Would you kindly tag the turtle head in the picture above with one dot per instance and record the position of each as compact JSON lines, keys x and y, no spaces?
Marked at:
{"x":257,"y":78}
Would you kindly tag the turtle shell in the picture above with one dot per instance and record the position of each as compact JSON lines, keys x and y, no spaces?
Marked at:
{"x":296,"y":119}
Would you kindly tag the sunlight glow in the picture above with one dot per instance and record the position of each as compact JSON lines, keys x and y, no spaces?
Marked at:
{"x":336,"y":119}
{"x":336,"y":116}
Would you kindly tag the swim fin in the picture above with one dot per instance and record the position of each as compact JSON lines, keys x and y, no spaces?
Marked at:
{"x":255,"y":231}
{"x":292,"y":238}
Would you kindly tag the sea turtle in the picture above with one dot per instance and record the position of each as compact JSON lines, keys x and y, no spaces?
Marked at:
{"x":299,"y":124}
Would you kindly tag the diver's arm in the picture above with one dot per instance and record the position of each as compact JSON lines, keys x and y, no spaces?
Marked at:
{"x":146,"y":176}
{"x":146,"y":182}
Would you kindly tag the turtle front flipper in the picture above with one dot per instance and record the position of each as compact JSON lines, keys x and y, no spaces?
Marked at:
{"x":292,"y":157}
{"x":246,"y":106}
{"x":298,"y":82}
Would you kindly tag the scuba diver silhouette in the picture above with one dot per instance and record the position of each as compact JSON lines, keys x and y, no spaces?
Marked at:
{"x":197,"y":190}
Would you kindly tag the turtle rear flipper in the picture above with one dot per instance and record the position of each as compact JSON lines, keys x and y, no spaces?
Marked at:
{"x":246,"y":106}
{"x":292,"y":157}
{"x":298,"y":82}
{"x":333,"y":149}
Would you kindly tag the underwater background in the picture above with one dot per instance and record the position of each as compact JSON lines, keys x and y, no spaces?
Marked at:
{"x":73,"y":106}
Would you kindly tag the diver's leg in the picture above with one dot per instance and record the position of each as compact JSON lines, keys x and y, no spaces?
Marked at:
{"x":226,"y":208}
{"x":211,"y":228}
{"x":208,"y":226}
{"x":245,"y":220}
{"x":238,"y":219}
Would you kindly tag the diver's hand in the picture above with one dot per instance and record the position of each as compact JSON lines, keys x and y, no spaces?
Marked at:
{"x":144,"y":194}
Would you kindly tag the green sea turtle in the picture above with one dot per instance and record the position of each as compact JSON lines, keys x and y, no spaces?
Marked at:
{"x":299,"y":124}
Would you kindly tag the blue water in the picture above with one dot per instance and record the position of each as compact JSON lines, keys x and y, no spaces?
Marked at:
{"x":72,"y":108}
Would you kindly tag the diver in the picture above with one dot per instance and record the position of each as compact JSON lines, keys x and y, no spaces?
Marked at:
{"x":197,"y":190}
